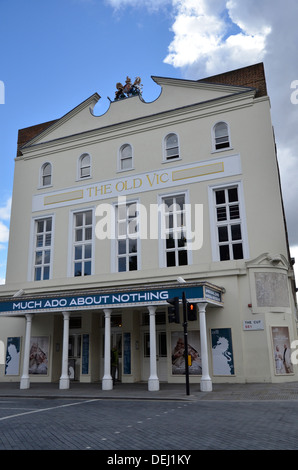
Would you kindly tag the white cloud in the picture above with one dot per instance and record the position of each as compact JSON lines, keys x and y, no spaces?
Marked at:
{"x":4,"y":217}
{"x":195,"y":36}
{"x":5,"y":211}
{"x":251,"y":16}
{"x":207,"y":39}
{"x":289,"y":177}
{"x":2,"y":281}
{"x":4,"y":232}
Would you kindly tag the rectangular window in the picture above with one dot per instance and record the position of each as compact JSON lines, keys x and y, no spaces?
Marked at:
{"x":174,"y":230}
{"x":127,"y":229}
{"x":42,"y":249}
{"x":229,"y":230}
{"x":83,"y":243}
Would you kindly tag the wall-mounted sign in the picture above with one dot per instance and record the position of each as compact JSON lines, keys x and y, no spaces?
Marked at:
{"x":106,"y":300}
{"x":212,"y":294}
{"x":249,"y":325}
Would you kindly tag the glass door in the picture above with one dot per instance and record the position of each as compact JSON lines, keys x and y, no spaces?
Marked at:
{"x":74,"y":356}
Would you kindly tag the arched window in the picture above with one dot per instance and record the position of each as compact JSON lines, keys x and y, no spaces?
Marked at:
{"x":221,"y":136}
{"x":125,"y":157}
{"x":46,"y":174}
{"x":171,"y":147}
{"x":84,"y":166}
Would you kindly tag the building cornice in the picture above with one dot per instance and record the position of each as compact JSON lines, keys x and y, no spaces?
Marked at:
{"x":200,"y":85}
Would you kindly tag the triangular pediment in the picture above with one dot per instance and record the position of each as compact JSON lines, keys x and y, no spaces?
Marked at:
{"x":63,"y":126}
{"x":176,"y":95}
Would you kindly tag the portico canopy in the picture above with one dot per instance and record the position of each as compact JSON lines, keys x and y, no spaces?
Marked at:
{"x":92,"y":299}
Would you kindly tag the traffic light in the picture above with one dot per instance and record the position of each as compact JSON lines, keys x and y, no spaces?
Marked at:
{"x":173,"y":311}
{"x":191,"y":311}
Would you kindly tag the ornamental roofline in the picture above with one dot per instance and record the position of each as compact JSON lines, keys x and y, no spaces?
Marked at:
{"x":251,"y":77}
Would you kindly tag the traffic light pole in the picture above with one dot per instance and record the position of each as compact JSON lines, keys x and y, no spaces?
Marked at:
{"x":185,"y":342}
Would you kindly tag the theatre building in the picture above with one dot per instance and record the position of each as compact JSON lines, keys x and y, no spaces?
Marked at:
{"x":153,"y":226}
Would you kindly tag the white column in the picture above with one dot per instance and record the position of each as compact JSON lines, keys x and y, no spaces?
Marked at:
{"x":206,"y":382}
{"x":64,"y":379}
{"x":107,"y":381}
{"x":25,"y":380}
{"x":153,"y":382}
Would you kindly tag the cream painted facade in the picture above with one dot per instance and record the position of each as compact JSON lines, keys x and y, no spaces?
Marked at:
{"x":74,"y":291}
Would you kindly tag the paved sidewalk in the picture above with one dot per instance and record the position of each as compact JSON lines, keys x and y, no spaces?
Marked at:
{"x":139,"y":391}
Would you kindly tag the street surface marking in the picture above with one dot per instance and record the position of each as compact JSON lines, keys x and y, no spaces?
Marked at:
{"x":47,"y":409}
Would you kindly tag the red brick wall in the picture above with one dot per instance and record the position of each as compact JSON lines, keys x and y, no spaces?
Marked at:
{"x":251,"y":76}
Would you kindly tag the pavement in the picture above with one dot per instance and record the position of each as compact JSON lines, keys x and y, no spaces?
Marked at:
{"x":139,"y":391}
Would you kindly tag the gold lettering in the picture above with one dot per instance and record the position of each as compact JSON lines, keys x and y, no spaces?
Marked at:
{"x":150,"y":182}
{"x":118,"y":187}
{"x":137,"y":180}
{"x":164,"y":175}
{"x":126,"y":187}
{"x":99,"y":190}
{"x":108,"y":188}
{"x":157,"y":179}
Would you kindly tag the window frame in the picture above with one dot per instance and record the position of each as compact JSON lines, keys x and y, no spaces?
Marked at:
{"x":34,"y":249}
{"x":161,"y":343}
{"x":167,"y":159}
{"x":80,"y":167}
{"x":73,"y":244}
{"x":214,"y":224}
{"x":121,"y":159}
{"x":116,"y":256}
{"x":42,"y":175}
{"x":163,"y":250}
{"x":227,"y":147}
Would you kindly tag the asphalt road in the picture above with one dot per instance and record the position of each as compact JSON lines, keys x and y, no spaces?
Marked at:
{"x":143,"y":425}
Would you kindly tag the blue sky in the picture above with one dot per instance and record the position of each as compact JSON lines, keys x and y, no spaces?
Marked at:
{"x":55,"y":54}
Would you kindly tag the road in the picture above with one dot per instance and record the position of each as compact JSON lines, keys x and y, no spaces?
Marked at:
{"x":157,"y":425}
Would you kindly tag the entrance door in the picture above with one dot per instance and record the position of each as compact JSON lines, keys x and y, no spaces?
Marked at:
{"x":74,"y":356}
{"x":161,"y":356}
{"x":116,"y":340}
